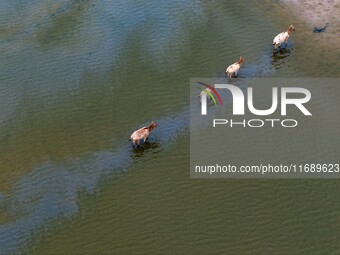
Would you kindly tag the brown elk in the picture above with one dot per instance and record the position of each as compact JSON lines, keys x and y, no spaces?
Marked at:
{"x":142,"y":134}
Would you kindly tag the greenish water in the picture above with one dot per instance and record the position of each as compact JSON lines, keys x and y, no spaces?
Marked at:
{"x":77,"y":77}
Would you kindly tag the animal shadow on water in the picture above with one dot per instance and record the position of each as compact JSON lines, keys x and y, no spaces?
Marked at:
{"x":144,"y":148}
{"x":278,"y":59}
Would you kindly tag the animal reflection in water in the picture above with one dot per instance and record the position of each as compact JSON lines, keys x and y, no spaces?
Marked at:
{"x":279,"y":58}
{"x":148,"y":146}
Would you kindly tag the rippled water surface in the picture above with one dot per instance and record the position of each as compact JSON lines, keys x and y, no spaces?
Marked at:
{"x":78,"y":76}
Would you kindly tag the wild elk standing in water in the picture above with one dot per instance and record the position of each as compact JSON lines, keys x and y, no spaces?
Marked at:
{"x":141,"y":134}
{"x":233,"y":69}
{"x":282,"y":38}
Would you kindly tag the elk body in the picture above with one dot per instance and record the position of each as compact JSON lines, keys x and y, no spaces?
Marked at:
{"x":142,"y":134}
{"x":233,"y":69}
{"x":282,"y":38}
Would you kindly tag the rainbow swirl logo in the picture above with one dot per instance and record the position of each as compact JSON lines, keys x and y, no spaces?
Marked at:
{"x":209,"y":91}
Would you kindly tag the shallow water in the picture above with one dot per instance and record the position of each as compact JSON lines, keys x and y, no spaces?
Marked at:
{"x":77,"y":77}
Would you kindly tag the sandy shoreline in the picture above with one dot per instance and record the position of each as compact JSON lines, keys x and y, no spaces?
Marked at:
{"x":316,"y":13}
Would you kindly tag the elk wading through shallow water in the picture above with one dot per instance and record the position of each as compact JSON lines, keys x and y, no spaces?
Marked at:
{"x":142,"y":133}
{"x":233,"y":69}
{"x":282,"y":38}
